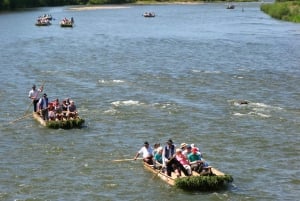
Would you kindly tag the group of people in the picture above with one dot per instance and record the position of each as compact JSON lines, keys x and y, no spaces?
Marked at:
{"x":52,"y":110}
{"x":67,"y":21}
{"x":186,"y":158}
{"x":45,"y":19}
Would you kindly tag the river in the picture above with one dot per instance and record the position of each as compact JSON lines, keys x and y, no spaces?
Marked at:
{"x":179,"y":75}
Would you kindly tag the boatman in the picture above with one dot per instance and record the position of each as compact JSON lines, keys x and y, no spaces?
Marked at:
{"x":147,"y":151}
{"x":34,"y":96}
{"x":43,"y":107}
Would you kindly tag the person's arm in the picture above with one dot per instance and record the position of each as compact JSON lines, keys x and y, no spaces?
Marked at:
{"x":164,"y":159}
{"x":136,"y":156}
{"x":41,"y":88}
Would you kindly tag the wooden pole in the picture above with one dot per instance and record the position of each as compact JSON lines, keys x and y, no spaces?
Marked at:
{"x":128,"y":159}
{"x":20,"y":118}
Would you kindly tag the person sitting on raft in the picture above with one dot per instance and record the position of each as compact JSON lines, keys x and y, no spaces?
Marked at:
{"x":147,"y":151}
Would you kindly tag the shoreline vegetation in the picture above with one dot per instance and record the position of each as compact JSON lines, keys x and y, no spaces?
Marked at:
{"x":287,"y":10}
{"x":283,"y":10}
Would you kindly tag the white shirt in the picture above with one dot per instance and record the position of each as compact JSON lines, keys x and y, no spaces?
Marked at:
{"x":146,"y":152}
{"x":34,"y":94}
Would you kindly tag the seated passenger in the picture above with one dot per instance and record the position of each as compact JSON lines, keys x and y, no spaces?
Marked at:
{"x":184,"y":162}
{"x":196,"y":162}
{"x":57,"y":105}
{"x":64,"y":106}
{"x":158,"y":158}
{"x":155,"y":147}
{"x":51,"y":113}
{"x":187,"y":151}
{"x":194,"y":146}
{"x":72,"y":112}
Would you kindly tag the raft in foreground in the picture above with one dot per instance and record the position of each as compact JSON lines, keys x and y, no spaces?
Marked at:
{"x":63,"y":124}
{"x":217,"y":180}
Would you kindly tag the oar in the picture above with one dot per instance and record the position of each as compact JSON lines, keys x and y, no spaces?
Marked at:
{"x":29,"y":106}
{"x":128,"y":159}
{"x":20,"y":118}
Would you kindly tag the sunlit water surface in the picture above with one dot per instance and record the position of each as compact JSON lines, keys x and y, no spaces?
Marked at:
{"x":178,"y":75}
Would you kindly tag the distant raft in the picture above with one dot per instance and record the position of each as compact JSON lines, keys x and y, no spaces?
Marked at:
{"x":42,"y":22}
{"x":149,"y":14}
{"x":67,"y":22}
{"x":230,"y":6}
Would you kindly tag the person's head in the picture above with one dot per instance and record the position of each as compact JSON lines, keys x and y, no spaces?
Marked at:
{"x":33,"y":86}
{"x":169,"y":142}
{"x":183,"y":146}
{"x":194,"y":150}
{"x":45,"y":95}
{"x":156,"y":145}
{"x":146,"y":144}
{"x":159,"y":150}
{"x":189,"y":148}
{"x":178,"y":151}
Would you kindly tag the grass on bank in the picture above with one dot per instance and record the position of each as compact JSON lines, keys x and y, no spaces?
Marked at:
{"x":287,"y":11}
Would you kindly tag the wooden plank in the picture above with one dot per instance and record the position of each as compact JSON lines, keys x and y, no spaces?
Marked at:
{"x":39,"y":119}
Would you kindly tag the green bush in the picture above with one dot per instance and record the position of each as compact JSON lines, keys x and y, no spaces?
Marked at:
{"x":66,"y":124}
{"x":203,"y":183}
{"x":288,"y":10}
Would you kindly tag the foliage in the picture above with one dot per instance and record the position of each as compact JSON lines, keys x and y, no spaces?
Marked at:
{"x":288,"y":10}
{"x":204,"y":183}
{"x":97,"y":2}
{"x":17,"y":4}
{"x":66,"y":124}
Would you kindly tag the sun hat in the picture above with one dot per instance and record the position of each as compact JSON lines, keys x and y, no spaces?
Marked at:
{"x":182,"y":145}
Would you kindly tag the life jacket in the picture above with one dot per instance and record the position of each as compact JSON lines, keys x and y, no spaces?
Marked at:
{"x":42,"y":103}
{"x":169,"y":152}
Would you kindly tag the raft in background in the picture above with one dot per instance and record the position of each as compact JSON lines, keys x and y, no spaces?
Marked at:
{"x":67,"y":22}
{"x":63,"y":124}
{"x":196,"y":182}
{"x":42,"y":23}
{"x":149,"y":14}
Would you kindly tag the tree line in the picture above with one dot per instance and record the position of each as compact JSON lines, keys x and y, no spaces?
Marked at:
{"x":19,"y":4}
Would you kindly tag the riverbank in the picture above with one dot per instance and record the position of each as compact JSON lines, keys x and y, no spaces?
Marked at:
{"x":287,"y":11}
{"x":150,"y":2}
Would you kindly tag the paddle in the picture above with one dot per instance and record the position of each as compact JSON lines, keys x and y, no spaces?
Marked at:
{"x":28,"y":115}
{"x":29,"y":106}
{"x":128,"y":159}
